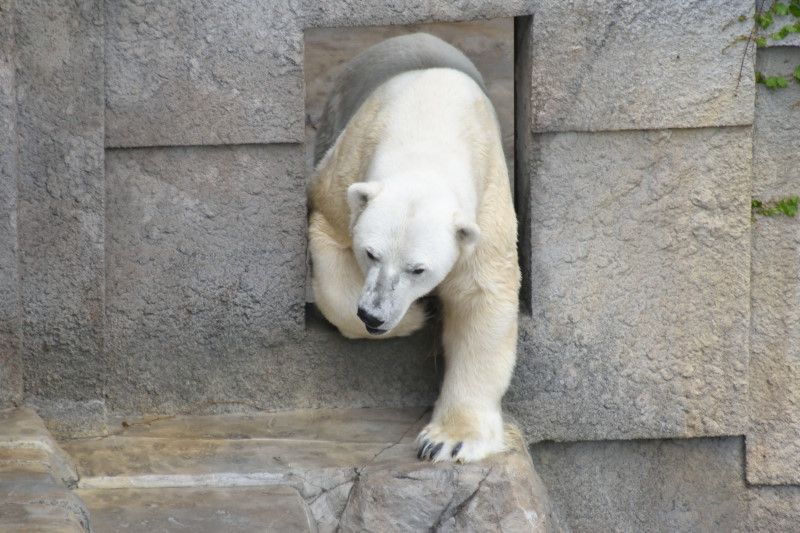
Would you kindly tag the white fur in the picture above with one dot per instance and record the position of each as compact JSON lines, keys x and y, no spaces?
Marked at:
{"x":414,"y":198}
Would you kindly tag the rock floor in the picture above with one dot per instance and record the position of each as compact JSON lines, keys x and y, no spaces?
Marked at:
{"x":309,"y":470}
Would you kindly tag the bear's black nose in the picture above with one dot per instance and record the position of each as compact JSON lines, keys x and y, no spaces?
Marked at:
{"x":369,"y":319}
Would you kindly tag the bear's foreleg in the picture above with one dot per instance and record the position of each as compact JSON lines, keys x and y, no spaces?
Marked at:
{"x":337,"y":283}
{"x":480,"y":339}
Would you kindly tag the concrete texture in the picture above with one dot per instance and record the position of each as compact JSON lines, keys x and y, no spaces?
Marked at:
{"x":355,"y":470}
{"x":344,"y":13}
{"x":276,"y":509}
{"x":773,"y":440}
{"x":622,"y":65}
{"x":324,"y":370}
{"x":10,"y":322}
{"x":181,"y":73}
{"x":71,"y":419}
{"x":61,"y":195}
{"x":654,"y":486}
{"x":634,"y":233}
{"x":774,"y":508}
{"x":205,"y":261}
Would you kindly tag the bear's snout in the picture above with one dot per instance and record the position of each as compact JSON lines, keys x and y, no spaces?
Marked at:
{"x":372,"y":322}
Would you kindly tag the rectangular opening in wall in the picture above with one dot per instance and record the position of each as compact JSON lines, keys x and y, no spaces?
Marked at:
{"x":488,"y":43}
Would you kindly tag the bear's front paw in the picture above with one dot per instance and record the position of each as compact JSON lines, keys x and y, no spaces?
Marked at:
{"x":437,"y":443}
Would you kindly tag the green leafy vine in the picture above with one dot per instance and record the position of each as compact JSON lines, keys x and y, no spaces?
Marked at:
{"x":762,"y":21}
{"x":785,"y":206}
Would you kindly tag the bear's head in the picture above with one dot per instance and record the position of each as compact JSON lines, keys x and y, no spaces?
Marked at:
{"x":406,"y":242}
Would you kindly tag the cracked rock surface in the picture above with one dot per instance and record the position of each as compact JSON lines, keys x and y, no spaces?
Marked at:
{"x":503,"y":493}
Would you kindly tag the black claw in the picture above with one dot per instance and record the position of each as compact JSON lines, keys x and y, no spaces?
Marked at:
{"x":436,"y":450}
{"x":423,"y":454}
{"x":456,"y":449}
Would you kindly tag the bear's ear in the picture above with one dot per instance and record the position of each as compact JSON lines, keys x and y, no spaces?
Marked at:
{"x":467,"y":235}
{"x":358,"y":195}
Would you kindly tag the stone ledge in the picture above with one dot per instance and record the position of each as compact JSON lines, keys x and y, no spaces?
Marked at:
{"x":34,"y":475}
{"x":346,"y":465}
{"x":201,"y":510}
{"x":37,"y":504}
{"x":27,"y":446}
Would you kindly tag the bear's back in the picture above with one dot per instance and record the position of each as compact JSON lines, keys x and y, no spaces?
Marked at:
{"x":371,"y":68}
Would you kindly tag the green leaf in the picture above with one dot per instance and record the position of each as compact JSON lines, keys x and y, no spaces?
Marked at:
{"x":780,"y":35}
{"x":774,"y":82}
{"x":761,"y":41}
{"x":794,"y":10}
{"x":760,"y":78}
{"x":780,"y":9}
{"x":788,"y":206}
{"x":796,"y":73}
{"x":765,"y":20}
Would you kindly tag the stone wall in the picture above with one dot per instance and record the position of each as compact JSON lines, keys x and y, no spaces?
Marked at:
{"x":153,"y":254}
{"x":10,"y":319}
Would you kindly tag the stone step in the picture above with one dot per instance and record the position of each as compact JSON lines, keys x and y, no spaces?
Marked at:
{"x":310,"y":470}
{"x":274,"y":509}
{"x":34,"y":477}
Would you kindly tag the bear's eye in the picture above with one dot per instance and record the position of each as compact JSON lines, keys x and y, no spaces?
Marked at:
{"x":371,"y":256}
{"x":418,"y":271}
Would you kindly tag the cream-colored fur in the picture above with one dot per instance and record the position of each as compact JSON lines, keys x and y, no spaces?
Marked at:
{"x":426,"y":145}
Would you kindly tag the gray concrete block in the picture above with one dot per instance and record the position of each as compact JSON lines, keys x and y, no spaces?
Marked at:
{"x":205,"y":265}
{"x":322,"y":370}
{"x":71,"y":419}
{"x":189,"y":73}
{"x":61,"y":195}
{"x":773,"y":440}
{"x":10,"y":324}
{"x":344,"y":13}
{"x":664,"y":486}
{"x":600,"y":65}
{"x":774,"y":508}
{"x":640,"y":286}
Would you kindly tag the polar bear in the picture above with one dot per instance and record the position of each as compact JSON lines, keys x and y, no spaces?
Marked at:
{"x":411,"y":197}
